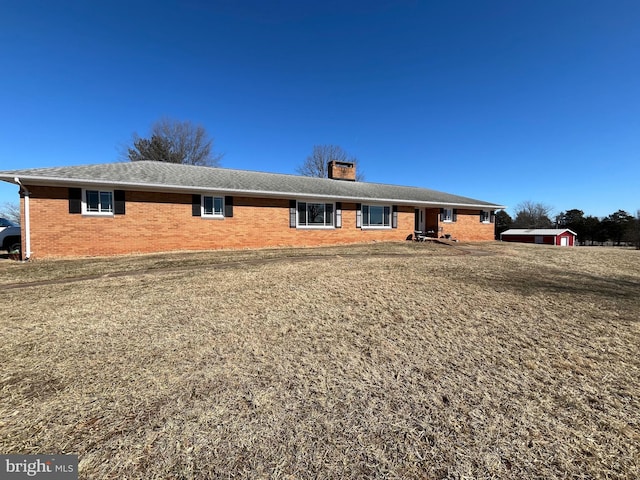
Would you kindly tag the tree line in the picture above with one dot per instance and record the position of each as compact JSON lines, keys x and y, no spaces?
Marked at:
{"x":618,"y":228}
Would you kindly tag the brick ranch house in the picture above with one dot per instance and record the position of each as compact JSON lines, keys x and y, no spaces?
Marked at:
{"x":144,"y":207}
{"x":562,"y":237}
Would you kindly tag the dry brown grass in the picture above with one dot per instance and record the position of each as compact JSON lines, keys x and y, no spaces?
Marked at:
{"x":81,"y":268}
{"x":519,"y":364}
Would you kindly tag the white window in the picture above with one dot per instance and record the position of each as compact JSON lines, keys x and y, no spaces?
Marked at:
{"x":485,"y":216}
{"x":447,"y":214}
{"x":319,"y":215}
{"x":212,"y":207}
{"x":97,"y":202}
{"x":376,"y":216}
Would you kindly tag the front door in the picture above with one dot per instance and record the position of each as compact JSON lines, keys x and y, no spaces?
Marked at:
{"x":431,"y":219}
{"x":564,"y":241}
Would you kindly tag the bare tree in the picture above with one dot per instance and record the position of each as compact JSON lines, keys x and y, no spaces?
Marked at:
{"x":532,"y":215}
{"x":316,"y":164}
{"x":11,"y":211}
{"x":174,"y":141}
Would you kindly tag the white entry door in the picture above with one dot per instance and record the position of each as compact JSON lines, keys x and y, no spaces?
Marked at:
{"x":564,"y":241}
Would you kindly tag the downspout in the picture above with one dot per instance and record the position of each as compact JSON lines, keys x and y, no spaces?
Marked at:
{"x":27,"y":229}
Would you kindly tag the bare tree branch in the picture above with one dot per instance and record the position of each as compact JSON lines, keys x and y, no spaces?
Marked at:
{"x":174,"y":141}
{"x":11,"y":211}
{"x":316,"y":164}
{"x":533,"y":215}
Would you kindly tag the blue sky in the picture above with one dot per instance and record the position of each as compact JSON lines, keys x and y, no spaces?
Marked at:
{"x":503,"y":101}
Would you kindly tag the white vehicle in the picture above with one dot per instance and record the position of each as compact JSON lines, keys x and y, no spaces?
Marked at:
{"x":9,"y":236}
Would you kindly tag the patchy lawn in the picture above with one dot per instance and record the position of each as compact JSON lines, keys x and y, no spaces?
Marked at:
{"x":378,"y":361}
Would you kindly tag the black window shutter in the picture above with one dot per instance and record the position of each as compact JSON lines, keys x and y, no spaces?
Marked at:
{"x":195,"y":205}
{"x":358,"y":215}
{"x":75,"y":200}
{"x":394,"y":217}
{"x":292,"y":214}
{"x":442,"y":214}
{"x":228,"y":206}
{"x":492,"y":217}
{"x":118,"y":202}
{"x":338,"y":214}
{"x":455,"y":215}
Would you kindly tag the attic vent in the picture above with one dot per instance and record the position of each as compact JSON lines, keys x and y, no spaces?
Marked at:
{"x":342,"y":170}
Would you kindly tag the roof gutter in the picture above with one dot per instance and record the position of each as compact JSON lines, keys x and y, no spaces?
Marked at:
{"x":26,"y":254}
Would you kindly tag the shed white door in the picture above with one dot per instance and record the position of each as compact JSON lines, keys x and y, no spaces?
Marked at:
{"x":564,"y":241}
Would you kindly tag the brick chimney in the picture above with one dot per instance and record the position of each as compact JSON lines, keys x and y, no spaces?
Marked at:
{"x":342,"y":170}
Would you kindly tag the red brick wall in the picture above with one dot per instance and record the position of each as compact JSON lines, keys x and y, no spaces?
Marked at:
{"x":468,"y":227}
{"x":342,"y":170}
{"x":156,"y":222}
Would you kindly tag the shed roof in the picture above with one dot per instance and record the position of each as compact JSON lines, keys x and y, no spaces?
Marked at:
{"x":161,"y":176}
{"x":537,"y":231}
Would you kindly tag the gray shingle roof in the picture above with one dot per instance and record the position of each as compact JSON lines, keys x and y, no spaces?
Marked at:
{"x":162,"y":176}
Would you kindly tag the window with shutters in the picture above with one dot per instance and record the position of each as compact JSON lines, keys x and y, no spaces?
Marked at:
{"x":485,"y":216}
{"x":447,"y":214}
{"x":315,"y":215}
{"x":97,"y":202}
{"x":212,"y":207}
{"x":376,"y":216}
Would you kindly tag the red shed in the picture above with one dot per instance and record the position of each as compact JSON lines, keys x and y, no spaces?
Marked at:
{"x":563,"y":237}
